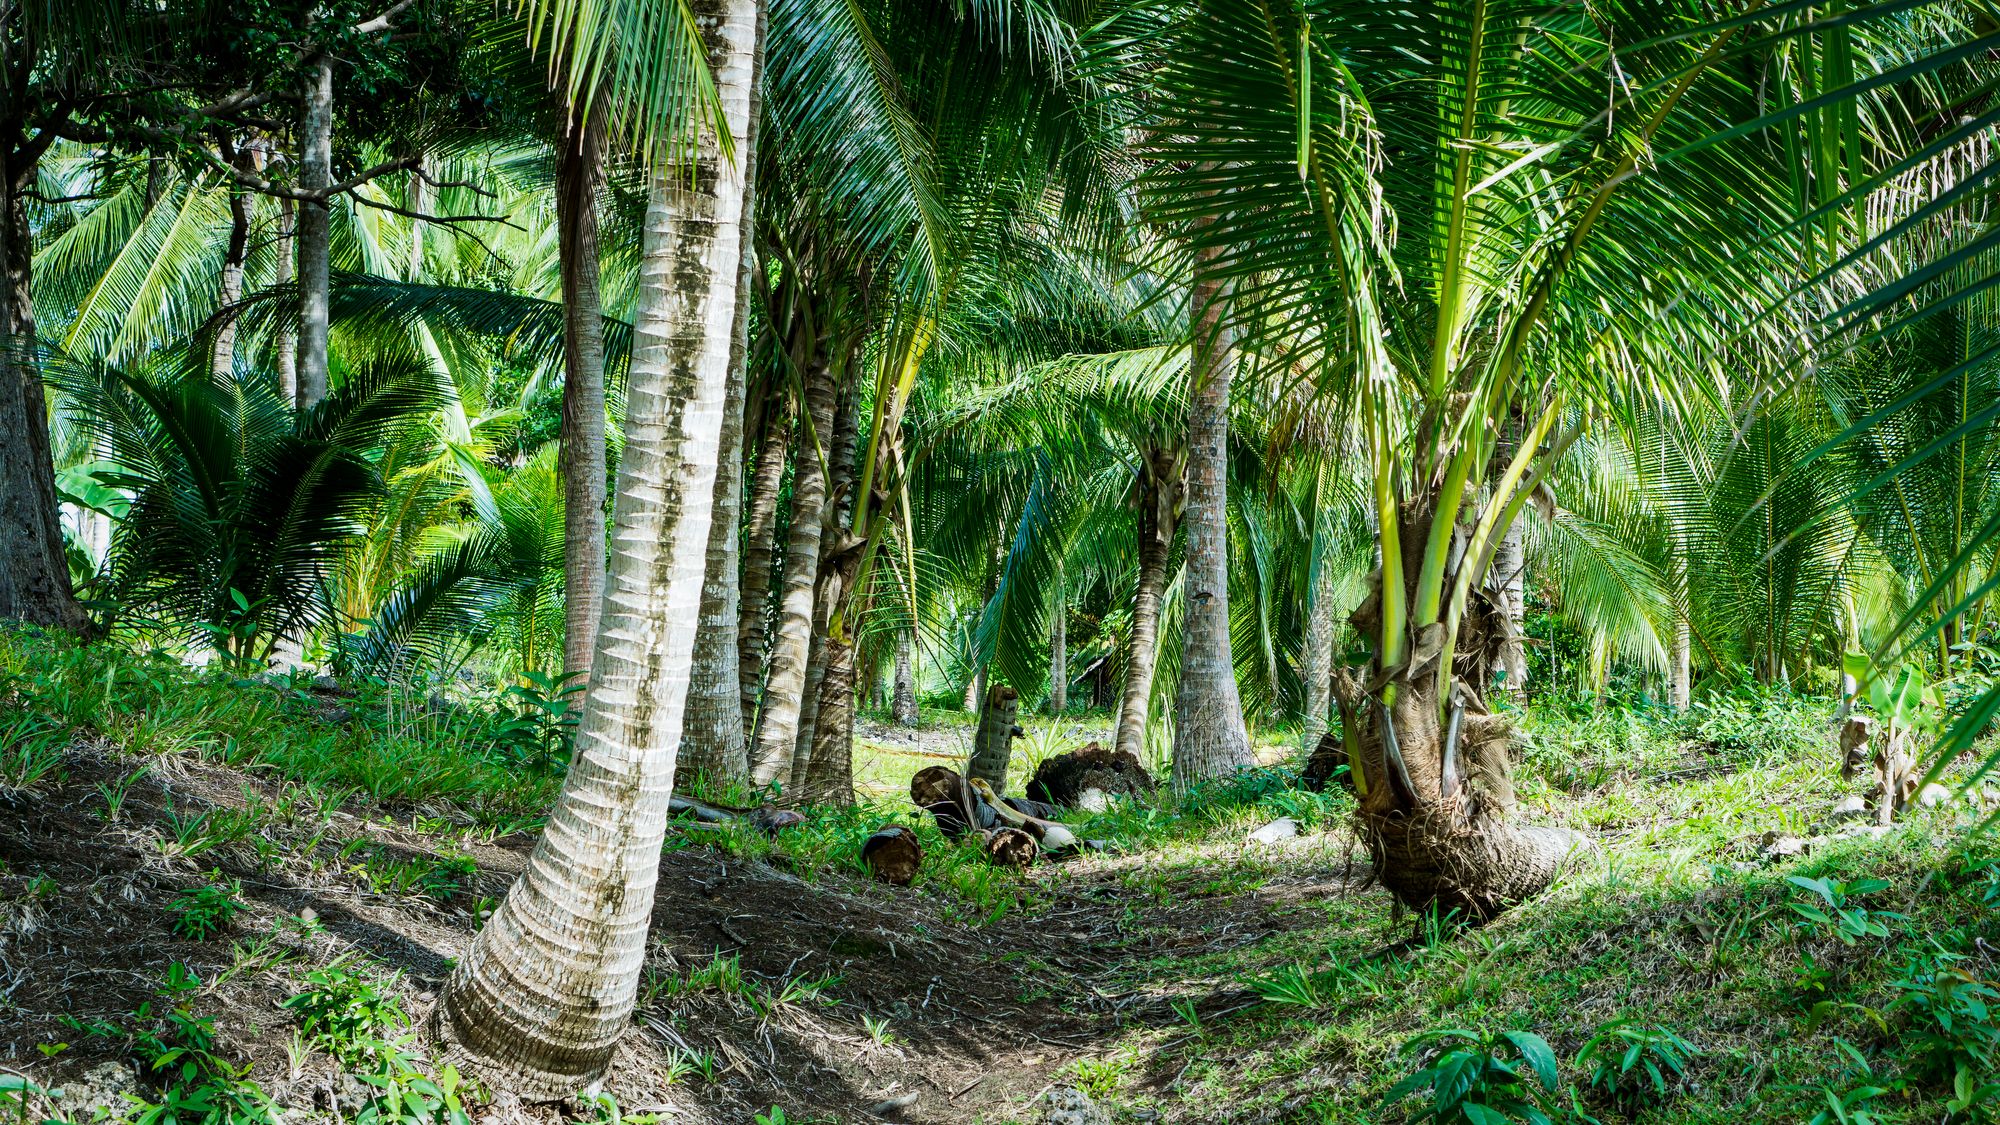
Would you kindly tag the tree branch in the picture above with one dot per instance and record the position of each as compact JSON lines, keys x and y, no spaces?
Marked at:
{"x":382,"y":22}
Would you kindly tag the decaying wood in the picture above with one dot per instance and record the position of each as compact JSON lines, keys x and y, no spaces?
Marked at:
{"x":1053,"y":838}
{"x":1061,"y":779}
{"x":1010,"y":847}
{"x":993,"y":747}
{"x":768,"y":819}
{"x":893,"y":854}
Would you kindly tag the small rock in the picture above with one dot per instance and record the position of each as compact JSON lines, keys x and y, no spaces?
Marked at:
{"x":1872,"y":831}
{"x":1783,"y":847}
{"x":103,"y":1086}
{"x":352,"y":1095}
{"x":1283,"y":828}
{"x":1066,"y":1105}
{"x":1933,"y":795}
{"x":1849,"y":808}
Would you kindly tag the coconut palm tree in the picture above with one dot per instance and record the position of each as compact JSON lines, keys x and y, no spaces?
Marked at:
{"x":548,"y":987}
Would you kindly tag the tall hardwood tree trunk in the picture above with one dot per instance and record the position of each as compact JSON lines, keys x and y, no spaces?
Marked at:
{"x":34,"y":574}
{"x":903,"y":703}
{"x":1209,"y":735}
{"x":1159,"y":511}
{"x":550,"y":983}
{"x":714,"y":742}
{"x":791,"y":646}
{"x":1435,"y":774}
{"x":760,"y":556}
{"x":315,"y":229}
{"x":1316,"y":661}
{"x":579,"y":170}
{"x":287,"y":344}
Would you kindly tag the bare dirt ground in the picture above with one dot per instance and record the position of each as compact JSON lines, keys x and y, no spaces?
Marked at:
{"x":980,"y":1018}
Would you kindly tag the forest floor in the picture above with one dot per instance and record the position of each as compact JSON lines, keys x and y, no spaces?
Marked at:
{"x":273,"y":879}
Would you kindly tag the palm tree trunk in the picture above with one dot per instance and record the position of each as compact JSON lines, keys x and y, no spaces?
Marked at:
{"x":1316,"y":661}
{"x":791,"y":647}
{"x":837,"y":562}
{"x":1159,"y":501}
{"x":579,"y":169}
{"x":34,"y":573}
{"x":1509,"y":580}
{"x":760,"y":557}
{"x":903,"y":703}
{"x":1059,"y":650}
{"x":550,"y":983}
{"x":828,"y":777}
{"x":315,"y":229}
{"x":1436,"y":784}
{"x":1683,"y":670}
{"x":1209,"y":736}
{"x":288,"y":340}
{"x":975,"y":689}
{"x":714,"y":742}
{"x":230,"y":291}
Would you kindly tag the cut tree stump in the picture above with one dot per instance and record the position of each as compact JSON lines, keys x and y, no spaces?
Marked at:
{"x":1063,"y":778}
{"x":893,"y":854}
{"x":994,"y":745}
{"x":1010,"y":847}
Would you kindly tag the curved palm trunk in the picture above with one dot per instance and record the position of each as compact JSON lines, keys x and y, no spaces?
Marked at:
{"x":315,"y":233}
{"x":1159,"y":499}
{"x":579,"y":169}
{"x":791,"y":646}
{"x":1436,"y":783}
{"x":549,"y":985}
{"x":903,"y":701}
{"x":760,"y":556}
{"x":1209,"y":736}
{"x":34,"y":574}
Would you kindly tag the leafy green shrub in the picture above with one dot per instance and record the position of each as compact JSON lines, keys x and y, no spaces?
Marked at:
{"x":435,"y":877}
{"x":1633,"y":1063}
{"x":1952,"y":1036}
{"x":203,"y":912}
{"x":191,"y":1084}
{"x":541,"y":729}
{"x":346,"y":1011}
{"x":404,"y":1095}
{"x":1478,"y":1079}
{"x":1836,"y":914}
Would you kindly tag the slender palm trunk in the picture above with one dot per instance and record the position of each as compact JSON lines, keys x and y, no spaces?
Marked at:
{"x":230,"y":291}
{"x":975,"y":689}
{"x":549,"y":985}
{"x":1209,"y":736}
{"x":1059,"y":650}
{"x":1159,"y":499}
{"x":760,"y":556}
{"x":1508,"y":581}
{"x":288,"y":339}
{"x":1683,"y":671}
{"x":903,"y":703}
{"x":791,"y":646}
{"x":34,"y":574}
{"x":829,"y":770}
{"x":1316,"y":661}
{"x":837,"y":562}
{"x":315,"y":229}
{"x":579,"y":169}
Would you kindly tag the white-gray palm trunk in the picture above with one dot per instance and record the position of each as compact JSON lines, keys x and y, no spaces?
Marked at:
{"x":903,"y":700}
{"x":791,"y":643}
{"x":1316,"y":660}
{"x":579,"y":167}
{"x":760,"y":555}
{"x":1209,"y":736}
{"x":549,"y":985}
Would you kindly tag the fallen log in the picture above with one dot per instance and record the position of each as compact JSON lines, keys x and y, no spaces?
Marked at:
{"x":768,"y":819}
{"x":893,"y":854}
{"x":1010,"y":847}
{"x":1064,"y":778}
{"x":1053,"y":838}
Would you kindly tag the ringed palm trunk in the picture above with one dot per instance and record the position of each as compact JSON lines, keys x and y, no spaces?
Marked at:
{"x":315,"y":230}
{"x":713,"y":742}
{"x":760,"y":556}
{"x":34,"y":574}
{"x":1159,"y":501}
{"x":791,"y":645}
{"x":1436,"y":776}
{"x":231,"y":289}
{"x":287,"y":268}
{"x":579,"y":168}
{"x":837,"y":560}
{"x":549,"y":985}
{"x":1209,"y":736}
{"x":1316,"y":662}
{"x":903,"y":702}
{"x":1059,"y":651}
